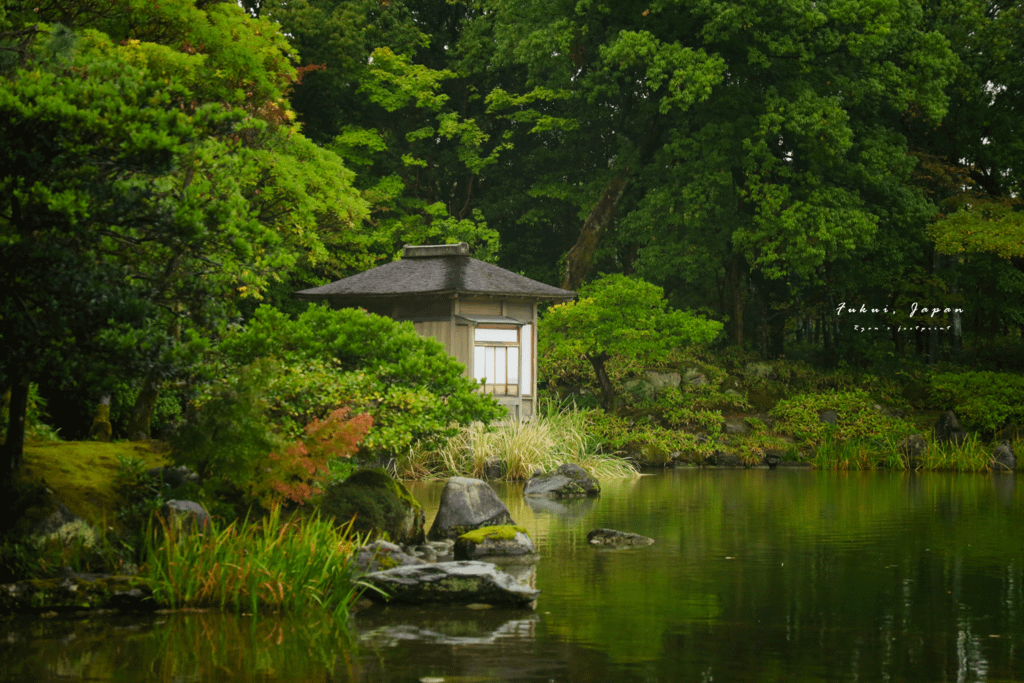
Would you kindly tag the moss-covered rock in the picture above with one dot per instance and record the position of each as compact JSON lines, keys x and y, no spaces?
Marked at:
{"x":467,"y":504}
{"x":506,"y":541}
{"x":568,"y":480}
{"x":380,"y":505}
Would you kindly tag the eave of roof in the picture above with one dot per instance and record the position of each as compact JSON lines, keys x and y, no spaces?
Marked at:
{"x":434,"y":275}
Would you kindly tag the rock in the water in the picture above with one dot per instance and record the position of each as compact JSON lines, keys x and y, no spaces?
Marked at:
{"x":568,"y":480}
{"x":948,"y":430}
{"x":504,"y":542}
{"x":450,"y":583}
{"x":912,"y":449}
{"x":467,"y":504}
{"x":493,"y":469}
{"x":617,"y":538}
{"x":186,"y":513}
{"x":1004,"y":459}
{"x":379,"y":504}
{"x":380,"y":556}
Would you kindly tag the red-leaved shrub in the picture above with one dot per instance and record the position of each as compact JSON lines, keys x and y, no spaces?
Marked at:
{"x":301,"y":470}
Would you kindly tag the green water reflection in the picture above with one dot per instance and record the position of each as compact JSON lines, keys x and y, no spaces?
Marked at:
{"x":755,"y":575}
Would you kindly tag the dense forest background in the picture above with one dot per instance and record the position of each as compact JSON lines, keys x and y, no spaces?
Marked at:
{"x":168,"y":165}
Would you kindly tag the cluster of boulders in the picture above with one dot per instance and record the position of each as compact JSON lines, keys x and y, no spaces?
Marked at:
{"x":472,"y":524}
{"x":475,"y":552}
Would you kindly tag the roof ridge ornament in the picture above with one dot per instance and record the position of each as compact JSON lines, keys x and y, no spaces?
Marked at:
{"x":434,"y":250}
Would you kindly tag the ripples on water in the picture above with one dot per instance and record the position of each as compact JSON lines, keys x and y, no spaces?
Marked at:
{"x":755,"y":575}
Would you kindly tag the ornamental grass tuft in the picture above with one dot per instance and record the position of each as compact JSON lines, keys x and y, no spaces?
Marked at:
{"x":973,"y":455}
{"x":549,"y":440}
{"x":271,"y":564}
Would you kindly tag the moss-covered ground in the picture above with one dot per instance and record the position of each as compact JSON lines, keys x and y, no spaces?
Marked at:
{"x":83,"y":474}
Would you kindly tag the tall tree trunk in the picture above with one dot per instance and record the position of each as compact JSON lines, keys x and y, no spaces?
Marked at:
{"x":607,"y":390}
{"x":142,"y":412}
{"x":737,"y":289}
{"x":13,"y":448}
{"x":580,"y":257}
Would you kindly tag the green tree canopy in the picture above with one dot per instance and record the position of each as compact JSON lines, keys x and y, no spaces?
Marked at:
{"x":151,"y":175}
{"x":623,"y":318}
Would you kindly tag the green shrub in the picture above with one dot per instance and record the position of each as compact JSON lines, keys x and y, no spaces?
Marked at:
{"x":231,"y":432}
{"x":408,"y":384}
{"x":375,"y":504}
{"x":618,"y":433}
{"x":983,"y":401}
{"x":622,"y":320}
{"x":856,"y":413}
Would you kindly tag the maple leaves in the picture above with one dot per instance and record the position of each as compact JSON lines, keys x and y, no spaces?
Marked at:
{"x":300,"y":472}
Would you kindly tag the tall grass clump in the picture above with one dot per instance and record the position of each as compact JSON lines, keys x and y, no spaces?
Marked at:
{"x":270,"y":564}
{"x":885,"y":453}
{"x":549,"y":440}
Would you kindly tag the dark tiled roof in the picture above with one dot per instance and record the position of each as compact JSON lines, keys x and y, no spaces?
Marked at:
{"x":435,"y":275}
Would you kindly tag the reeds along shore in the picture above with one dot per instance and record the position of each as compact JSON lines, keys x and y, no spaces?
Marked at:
{"x":271,"y":564}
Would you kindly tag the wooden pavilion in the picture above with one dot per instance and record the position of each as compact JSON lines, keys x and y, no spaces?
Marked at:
{"x":485,"y":316}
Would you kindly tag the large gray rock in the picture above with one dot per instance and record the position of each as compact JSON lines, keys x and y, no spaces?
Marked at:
{"x":612,"y":537}
{"x":449,"y":583}
{"x":664,"y":381}
{"x":496,"y":543}
{"x":736,"y":425}
{"x":1004,"y":459}
{"x":654,"y":384}
{"x":568,"y":480}
{"x":467,"y":504}
{"x":186,"y":514}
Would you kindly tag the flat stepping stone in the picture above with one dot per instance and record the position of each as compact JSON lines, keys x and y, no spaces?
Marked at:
{"x":460,"y":583}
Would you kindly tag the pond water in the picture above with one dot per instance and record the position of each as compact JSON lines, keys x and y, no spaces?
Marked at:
{"x":759,"y":575}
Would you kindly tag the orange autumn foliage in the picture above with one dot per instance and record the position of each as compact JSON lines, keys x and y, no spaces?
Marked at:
{"x":300,"y":472}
